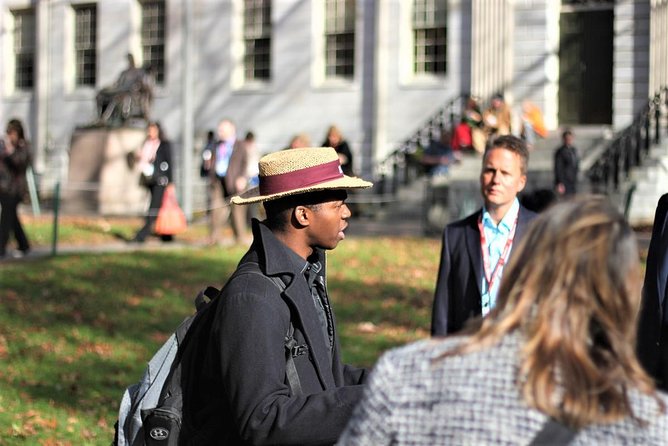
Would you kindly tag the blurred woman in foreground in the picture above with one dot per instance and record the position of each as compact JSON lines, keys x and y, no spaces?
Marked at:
{"x":560,"y":346}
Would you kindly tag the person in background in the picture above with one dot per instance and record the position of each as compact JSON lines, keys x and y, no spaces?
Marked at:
{"x":532,"y":124}
{"x":566,"y":166}
{"x":653,"y":328}
{"x":335,"y":140}
{"x":555,"y":355}
{"x":252,"y":171}
{"x":472,"y":116}
{"x":15,"y":158}
{"x":227,"y":177}
{"x":497,"y":118}
{"x":155,"y":164}
{"x":300,"y":140}
{"x":207,"y":154}
{"x":462,"y":141}
{"x":475,"y":249}
{"x":438,"y":156}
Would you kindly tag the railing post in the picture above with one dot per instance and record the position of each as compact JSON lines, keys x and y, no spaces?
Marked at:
{"x":665,"y":93}
{"x":657,"y":120}
{"x":627,"y":153}
{"x":615,"y":166}
{"x":648,"y":136}
{"x":638,"y":144}
{"x":395,"y":176}
{"x":56,"y":208}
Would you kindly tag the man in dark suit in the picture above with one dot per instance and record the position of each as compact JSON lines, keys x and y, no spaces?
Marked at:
{"x":566,"y":166}
{"x":476,"y":248}
{"x":653,"y":319}
{"x":243,"y":392}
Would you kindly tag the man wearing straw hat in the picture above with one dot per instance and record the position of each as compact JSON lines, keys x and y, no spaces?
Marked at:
{"x":244,"y":391}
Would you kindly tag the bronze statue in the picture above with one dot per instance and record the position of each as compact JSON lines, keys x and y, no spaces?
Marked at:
{"x":130,"y":96}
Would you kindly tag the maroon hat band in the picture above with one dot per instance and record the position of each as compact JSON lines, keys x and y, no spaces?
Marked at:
{"x":299,"y":179}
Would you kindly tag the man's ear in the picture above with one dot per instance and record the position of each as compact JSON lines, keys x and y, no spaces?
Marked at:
{"x":302,"y":215}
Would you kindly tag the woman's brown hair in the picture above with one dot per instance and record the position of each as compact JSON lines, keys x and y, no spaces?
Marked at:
{"x":572,"y":289}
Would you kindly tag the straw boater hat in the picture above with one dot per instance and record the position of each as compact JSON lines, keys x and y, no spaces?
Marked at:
{"x":297,"y":171}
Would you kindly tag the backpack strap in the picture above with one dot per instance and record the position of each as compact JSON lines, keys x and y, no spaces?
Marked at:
{"x":554,"y":433}
{"x":292,"y":348}
{"x":205,"y":296}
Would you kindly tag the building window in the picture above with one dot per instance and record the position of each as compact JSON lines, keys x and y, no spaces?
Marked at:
{"x":257,"y":39}
{"x":430,"y":36}
{"x":153,"y":37}
{"x":339,"y":38}
{"x":24,"y":48}
{"x":85,"y":30}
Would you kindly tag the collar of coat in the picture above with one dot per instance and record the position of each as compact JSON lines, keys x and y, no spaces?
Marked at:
{"x":283,"y":260}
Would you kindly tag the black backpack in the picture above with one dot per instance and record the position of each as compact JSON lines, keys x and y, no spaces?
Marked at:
{"x":150,"y":412}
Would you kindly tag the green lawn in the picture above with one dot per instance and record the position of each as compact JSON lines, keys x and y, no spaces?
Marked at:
{"x":75,"y":330}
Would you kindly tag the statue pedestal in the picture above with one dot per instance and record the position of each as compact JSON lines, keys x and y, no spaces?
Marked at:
{"x":100,"y":179}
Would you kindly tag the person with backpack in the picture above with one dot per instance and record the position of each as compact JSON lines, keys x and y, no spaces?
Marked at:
{"x":243,"y":386}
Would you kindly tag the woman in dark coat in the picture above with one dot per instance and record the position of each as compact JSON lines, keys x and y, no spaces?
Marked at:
{"x":335,"y":139}
{"x":155,"y":162}
{"x":14,"y":160}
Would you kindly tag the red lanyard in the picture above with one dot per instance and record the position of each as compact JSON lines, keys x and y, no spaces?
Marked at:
{"x":491,"y":277}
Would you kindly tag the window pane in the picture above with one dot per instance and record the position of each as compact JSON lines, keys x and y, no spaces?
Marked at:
{"x":340,"y":38}
{"x":85,"y":29}
{"x":153,"y":37}
{"x":257,"y":39}
{"x":24,"y":48}
{"x":430,"y":36}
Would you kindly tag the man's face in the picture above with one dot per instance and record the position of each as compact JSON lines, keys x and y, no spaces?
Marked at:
{"x":501,"y":178}
{"x":226,"y":131}
{"x":329,"y":220}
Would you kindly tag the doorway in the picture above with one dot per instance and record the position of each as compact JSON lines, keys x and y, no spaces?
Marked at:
{"x":585,"y":66}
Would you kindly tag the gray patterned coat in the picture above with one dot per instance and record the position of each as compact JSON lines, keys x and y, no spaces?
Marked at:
{"x":470,"y":400}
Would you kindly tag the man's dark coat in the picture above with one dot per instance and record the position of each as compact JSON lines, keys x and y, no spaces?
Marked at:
{"x":458,"y":295}
{"x":651,"y":321}
{"x":566,"y":166}
{"x":241,"y":395}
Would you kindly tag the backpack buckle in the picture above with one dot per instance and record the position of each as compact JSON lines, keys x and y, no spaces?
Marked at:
{"x":298,"y":350}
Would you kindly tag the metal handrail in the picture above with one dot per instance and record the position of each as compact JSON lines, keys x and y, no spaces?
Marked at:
{"x":631,"y":146}
{"x":396,"y":164}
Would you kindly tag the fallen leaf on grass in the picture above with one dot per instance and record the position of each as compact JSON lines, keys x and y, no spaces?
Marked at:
{"x":4,"y":351}
{"x":367,"y":327}
{"x":54,"y":442}
{"x":133,"y":301}
{"x":28,"y":423}
{"x":159,"y":336}
{"x":101,"y":349}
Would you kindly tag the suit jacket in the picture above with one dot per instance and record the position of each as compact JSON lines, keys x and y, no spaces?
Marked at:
{"x":243,"y":396}
{"x":417,"y":397}
{"x":566,"y":168}
{"x":236,"y":168}
{"x":458,"y":294}
{"x":651,"y":320}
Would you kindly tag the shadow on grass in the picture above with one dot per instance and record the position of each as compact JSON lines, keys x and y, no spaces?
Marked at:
{"x":81,"y":327}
